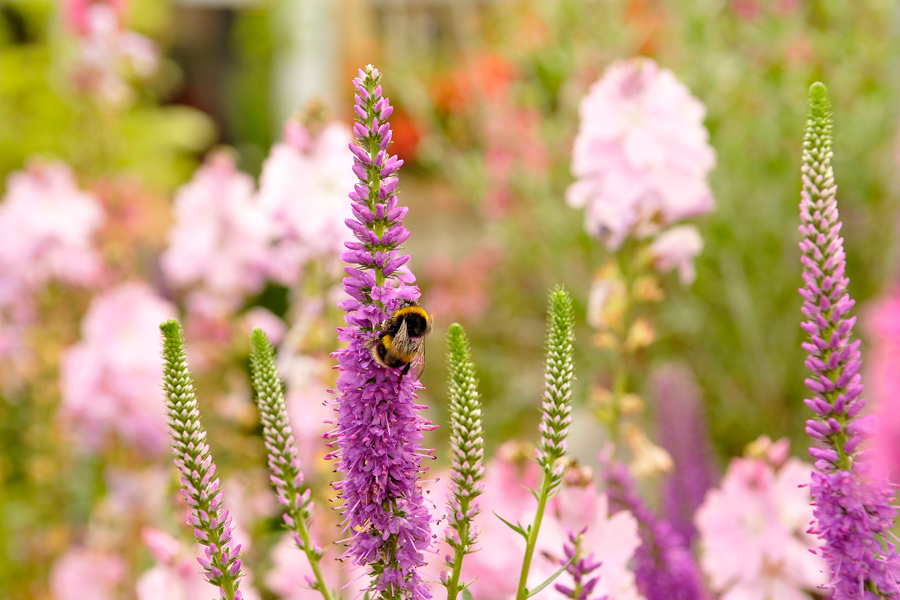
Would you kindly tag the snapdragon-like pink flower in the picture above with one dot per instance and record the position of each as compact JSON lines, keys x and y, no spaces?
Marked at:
{"x":303,"y":190}
{"x":219,"y":244}
{"x":110,"y":379}
{"x":754,"y":539}
{"x":47,"y":226}
{"x":642,"y":155}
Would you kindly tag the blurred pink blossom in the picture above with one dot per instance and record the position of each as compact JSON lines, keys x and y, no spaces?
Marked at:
{"x":306,"y":397}
{"x":219,"y":243}
{"x":47,"y":226}
{"x":642,"y":155}
{"x":109,"y":54}
{"x":883,"y":382}
{"x":110,"y":380}
{"x":459,"y":289}
{"x":613,"y":539}
{"x":273,"y":326}
{"x":676,"y":248}
{"x":81,"y":573}
{"x":303,"y":189}
{"x":754,"y":543}
{"x":514,"y":152}
{"x":76,"y":13}
{"x":176,"y":574}
{"x":290,"y":575}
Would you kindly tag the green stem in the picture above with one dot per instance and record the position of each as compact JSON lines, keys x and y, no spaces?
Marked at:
{"x":313,"y":557}
{"x":522,"y":592}
{"x":453,"y":586}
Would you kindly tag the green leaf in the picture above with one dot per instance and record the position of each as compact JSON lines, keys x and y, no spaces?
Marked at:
{"x":549,"y":580}
{"x":517,"y":527}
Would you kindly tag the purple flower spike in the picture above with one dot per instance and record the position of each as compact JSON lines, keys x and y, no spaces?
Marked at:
{"x":852,"y":511}
{"x":580,"y":568}
{"x":664,"y":567}
{"x":378,"y":432}
{"x":682,"y":431}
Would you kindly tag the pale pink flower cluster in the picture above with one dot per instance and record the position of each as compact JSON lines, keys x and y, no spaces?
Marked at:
{"x":641,"y":157}
{"x":48,"y":228}
{"x":612,"y":538}
{"x":110,"y":379}
{"x":754,"y":540}
{"x":108,"y":54}
{"x":219,"y":243}
{"x":882,"y":323}
{"x":303,"y":191}
{"x":229,"y":239}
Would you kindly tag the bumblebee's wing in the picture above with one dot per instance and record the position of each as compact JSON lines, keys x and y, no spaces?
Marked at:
{"x":417,"y":364}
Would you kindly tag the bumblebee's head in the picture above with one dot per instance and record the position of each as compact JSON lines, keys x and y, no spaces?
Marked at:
{"x":418,"y":323}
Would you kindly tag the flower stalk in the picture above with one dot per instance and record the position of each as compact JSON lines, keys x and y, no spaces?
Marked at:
{"x":378,"y":432}
{"x":557,"y":406}
{"x":467,"y":451}
{"x":853,"y":511}
{"x":200,"y":486}
{"x":283,"y":456}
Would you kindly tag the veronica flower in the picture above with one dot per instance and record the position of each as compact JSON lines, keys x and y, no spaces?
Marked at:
{"x":853,"y":512}
{"x":467,"y":446}
{"x":580,"y":567}
{"x":664,"y":567}
{"x":284,"y":462}
{"x":212,"y":522}
{"x":379,"y":430}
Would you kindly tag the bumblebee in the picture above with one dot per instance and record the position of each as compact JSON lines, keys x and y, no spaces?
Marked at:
{"x":401,"y":342}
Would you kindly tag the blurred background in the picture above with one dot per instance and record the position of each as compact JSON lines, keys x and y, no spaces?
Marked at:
{"x":115,"y":111}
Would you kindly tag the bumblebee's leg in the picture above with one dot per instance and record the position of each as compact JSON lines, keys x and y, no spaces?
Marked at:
{"x":404,"y":372}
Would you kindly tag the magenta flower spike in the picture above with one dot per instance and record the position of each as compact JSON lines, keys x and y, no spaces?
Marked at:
{"x":378,"y":431}
{"x":853,"y":511}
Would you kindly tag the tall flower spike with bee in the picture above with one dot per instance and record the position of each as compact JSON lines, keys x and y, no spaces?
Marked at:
{"x":378,"y":431}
